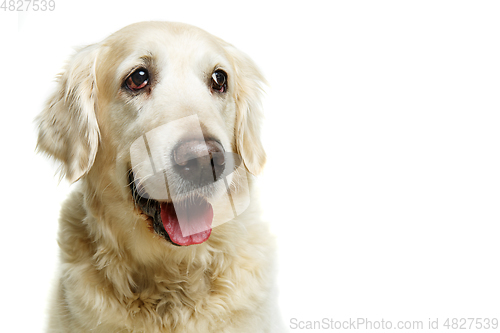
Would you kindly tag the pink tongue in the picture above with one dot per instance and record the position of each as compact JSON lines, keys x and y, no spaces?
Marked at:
{"x":187,"y":223}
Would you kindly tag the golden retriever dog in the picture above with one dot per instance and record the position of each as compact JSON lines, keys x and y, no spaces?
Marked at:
{"x":159,"y":126}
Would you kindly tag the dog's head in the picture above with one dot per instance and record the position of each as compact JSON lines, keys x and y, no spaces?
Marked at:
{"x":164,"y":117}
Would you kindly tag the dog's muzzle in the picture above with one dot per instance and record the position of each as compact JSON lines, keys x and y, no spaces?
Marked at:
{"x":175,"y":182}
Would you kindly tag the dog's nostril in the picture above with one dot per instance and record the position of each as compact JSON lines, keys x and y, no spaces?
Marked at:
{"x":194,"y":164}
{"x":218,"y":158}
{"x":188,"y":165}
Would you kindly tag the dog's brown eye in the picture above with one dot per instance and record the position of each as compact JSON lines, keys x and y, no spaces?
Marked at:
{"x":219,"y":81}
{"x":138,"y":79}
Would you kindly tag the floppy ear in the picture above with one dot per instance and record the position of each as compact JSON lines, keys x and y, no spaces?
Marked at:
{"x":67,"y":127}
{"x":248,"y":92}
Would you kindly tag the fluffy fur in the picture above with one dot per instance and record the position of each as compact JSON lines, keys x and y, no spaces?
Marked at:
{"x":115,"y":274}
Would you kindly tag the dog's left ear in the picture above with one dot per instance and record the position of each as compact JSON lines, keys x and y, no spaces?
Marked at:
{"x":248,"y":82}
{"x":67,"y":127}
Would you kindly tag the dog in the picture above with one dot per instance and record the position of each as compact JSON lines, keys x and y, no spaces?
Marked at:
{"x":159,"y":126}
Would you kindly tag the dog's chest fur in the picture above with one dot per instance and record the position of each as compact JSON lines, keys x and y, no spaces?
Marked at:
{"x":205,"y":291}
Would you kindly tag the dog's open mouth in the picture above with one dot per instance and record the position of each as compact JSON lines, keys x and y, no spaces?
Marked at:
{"x":182,"y":223}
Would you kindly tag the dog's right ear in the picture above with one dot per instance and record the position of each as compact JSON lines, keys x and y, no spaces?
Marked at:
{"x":67,"y":127}
{"x":248,"y":91}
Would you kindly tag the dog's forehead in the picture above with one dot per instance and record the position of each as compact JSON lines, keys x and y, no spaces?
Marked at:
{"x":162,"y":39}
{"x":163,"y":43}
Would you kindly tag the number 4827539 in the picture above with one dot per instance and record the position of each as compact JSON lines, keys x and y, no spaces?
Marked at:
{"x":28,"y":5}
{"x":471,"y":323}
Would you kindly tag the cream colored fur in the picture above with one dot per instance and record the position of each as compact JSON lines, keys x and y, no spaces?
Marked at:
{"x":115,"y":274}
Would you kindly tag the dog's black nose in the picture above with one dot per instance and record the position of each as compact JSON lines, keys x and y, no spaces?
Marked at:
{"x":193,"y":163}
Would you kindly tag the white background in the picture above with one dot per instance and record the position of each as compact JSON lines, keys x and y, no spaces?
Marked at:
{"x":383,"y":135}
